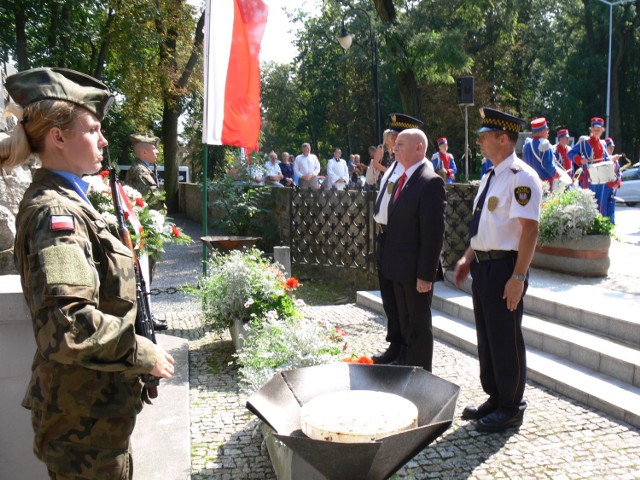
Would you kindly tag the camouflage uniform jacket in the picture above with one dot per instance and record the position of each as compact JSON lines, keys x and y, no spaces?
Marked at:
{"x":141,"y":177}
{"x":78,"y":280}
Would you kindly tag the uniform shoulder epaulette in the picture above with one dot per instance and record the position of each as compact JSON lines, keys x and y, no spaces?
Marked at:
{"x":515,"y":168}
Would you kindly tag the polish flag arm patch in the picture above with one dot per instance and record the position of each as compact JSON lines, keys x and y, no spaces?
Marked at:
{"x":63,"y":223}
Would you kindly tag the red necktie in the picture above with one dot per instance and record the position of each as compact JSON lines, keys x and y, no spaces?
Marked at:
{"x":403,"y":177}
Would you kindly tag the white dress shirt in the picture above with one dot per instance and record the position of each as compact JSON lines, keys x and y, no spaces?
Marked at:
{"x":514,"y":193}
{"x":305,"y":165}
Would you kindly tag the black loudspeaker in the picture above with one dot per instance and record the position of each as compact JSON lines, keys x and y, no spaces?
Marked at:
{"x":465,"y":90}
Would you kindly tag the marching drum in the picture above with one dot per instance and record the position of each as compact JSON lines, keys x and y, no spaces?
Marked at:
{"x":562,"y":182}
{"x":602,"y":172}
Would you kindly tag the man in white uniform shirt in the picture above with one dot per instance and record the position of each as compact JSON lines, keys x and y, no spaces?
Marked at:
{"x":307,"y":168}
{"x":503,"y":235}
{"x":337,"y":172}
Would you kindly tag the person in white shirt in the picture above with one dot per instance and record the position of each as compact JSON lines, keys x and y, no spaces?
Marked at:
{"x":273,"y":174}
{"x":307,"y":168}
{"x":503,"y":234}
{"x":337,"y":172}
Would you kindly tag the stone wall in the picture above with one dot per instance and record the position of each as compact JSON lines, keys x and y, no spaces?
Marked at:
{"x":13,"y":184}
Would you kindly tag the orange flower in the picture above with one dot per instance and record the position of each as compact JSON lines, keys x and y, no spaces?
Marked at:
{"x":362,"y":360}
{"x":104,"y":173}
{"x":292,"y":283}
{"x":175,"y":230}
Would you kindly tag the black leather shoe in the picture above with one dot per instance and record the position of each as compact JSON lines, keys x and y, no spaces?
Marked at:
{"x":388,"y":356}
{"x":500,"y":420}
{"x":158,"y":324}
{"x":401,"y":359}
{"x":474,"y":413}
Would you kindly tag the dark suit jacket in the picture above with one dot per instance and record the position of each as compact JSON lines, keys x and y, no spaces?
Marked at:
{"x":415,"y":229}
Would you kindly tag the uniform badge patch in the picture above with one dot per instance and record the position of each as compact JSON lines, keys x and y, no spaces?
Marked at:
{"x":523,"y":195}
{"x":63,"y":223}
{"x":492,"y":203}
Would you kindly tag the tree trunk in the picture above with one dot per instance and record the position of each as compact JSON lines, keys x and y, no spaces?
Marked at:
{"x":171,"y":109}
{"x":21,"y":37}
{"x":405,"y":76}
{"x":170,"y":116}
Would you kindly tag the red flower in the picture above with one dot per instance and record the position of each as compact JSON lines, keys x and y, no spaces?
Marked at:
{"x":292,"y":283}
{"x":139,"y":202}
{"x":126,"y":215}
{"x":363,"y":360}
{"x":175,"y":230}
{"x":341,"y":331}
{"x":104,"y":174}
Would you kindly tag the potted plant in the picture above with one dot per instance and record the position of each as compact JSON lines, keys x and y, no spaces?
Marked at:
{"x":241,"y":286}
{"x":574,"y":237}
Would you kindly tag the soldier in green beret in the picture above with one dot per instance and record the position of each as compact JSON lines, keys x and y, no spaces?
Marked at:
{"x":79,"y":283}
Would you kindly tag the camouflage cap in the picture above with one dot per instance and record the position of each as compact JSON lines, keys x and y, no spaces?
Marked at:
{"x":140,"y":138}
{"x":47,"y":83}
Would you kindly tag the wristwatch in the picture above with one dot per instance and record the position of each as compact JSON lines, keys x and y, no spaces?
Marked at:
{"x":518,"y":276}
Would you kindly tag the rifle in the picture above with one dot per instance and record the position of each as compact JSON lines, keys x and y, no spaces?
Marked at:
{"x":144,"y":323}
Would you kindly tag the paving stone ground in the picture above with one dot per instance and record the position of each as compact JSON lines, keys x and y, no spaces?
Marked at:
{"x":560,"y":438}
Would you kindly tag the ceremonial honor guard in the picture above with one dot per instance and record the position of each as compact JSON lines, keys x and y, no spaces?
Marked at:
{"x":503,"y":235}
{"x":607,"y":202}
{"x":561,"y":149}
{"x":78,"y":281}
{"x":538,"y":154}
{"x":394,"y":171}
{"x":443,"y":162}
{"x":590,"y":151}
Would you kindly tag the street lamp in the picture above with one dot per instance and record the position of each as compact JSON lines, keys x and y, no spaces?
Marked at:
{"x":611,"y":5}
{"x":345,"y":39}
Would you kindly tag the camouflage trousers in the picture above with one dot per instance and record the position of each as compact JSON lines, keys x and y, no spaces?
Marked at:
{"x":75,"y":448}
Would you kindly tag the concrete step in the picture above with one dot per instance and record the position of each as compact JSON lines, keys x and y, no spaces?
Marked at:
{"x":599,"y":390}
{"x":587,"y":307}
{"x":590,"y":350}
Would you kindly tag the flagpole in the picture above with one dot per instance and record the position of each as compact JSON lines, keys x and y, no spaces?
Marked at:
{"x":205,"y":206}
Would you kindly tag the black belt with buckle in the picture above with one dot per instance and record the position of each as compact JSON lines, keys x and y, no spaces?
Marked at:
{"x":494,"y":255}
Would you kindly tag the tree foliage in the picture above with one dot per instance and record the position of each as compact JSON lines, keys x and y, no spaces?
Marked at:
{"x":530,"y":57}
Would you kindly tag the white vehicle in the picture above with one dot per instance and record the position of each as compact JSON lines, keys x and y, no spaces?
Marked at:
{"x":629,"y":192}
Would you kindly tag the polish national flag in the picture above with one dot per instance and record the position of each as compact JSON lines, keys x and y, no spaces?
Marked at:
{"x":233,"y":32}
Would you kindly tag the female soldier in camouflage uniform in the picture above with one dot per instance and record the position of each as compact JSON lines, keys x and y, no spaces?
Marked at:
{"x":78,"y":280}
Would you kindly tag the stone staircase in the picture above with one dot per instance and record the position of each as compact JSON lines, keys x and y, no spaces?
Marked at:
{"x":582,"y":341}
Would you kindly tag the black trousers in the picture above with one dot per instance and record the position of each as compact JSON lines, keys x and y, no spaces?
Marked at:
{"x":415,"y":324}
{"x":501,"y":349}
{"x":389,"y":303}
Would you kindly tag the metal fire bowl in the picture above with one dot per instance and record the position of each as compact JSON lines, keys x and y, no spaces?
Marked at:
{"x":279,"y":401}
{"x":227,"y":243}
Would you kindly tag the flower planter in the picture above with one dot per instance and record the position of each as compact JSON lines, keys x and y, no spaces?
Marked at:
{"x":587,"y":256}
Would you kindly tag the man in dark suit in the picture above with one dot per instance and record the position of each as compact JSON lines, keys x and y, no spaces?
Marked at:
{"x":415,"y":234}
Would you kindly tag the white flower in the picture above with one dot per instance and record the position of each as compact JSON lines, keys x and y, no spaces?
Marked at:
{"x":96,"y":184}
{"x":131,"y":192}
{"x":272,"y":315}
{"x":300,"y":303}
{"x":248,"y":303}
{"x":158,"y":220}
